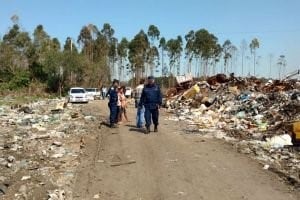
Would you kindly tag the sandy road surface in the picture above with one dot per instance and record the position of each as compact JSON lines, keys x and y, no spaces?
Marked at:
{"x":168,"y":165}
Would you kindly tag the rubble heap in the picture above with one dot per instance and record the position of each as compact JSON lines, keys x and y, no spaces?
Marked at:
{"x":259,"y":116}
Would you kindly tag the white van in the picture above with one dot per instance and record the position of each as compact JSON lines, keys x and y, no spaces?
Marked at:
{"x":77,"y":95}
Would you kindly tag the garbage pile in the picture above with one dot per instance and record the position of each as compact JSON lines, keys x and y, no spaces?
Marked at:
{"x":261,"y":117}
{"x":39,"y":146}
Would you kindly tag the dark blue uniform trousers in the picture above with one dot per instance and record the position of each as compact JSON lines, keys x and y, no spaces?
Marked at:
{"x":113,"y":117}
{"x":151,"y":112}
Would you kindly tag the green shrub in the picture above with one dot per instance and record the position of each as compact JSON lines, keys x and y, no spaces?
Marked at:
{"x":20,"y":80}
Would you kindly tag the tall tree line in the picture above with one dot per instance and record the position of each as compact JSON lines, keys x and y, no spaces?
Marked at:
{"x":96,"y":56}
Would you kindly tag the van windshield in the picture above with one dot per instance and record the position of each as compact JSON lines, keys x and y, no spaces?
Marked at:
{"x":77,"y":91}
{"x":90,"y":90}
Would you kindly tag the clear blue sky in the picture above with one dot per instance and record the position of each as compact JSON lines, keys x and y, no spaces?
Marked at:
{"x":276,"y":23}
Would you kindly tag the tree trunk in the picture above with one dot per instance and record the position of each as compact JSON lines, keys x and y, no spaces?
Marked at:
{"x":189,"y":70}
{"x":178,"y":66}
{"x":242,"y":63}
{"x":254,"y":62}
{"x":120,"y":68}
{"x":206,"y":68}
{"x":214,"y":68}
{"x":279,"y":77}
{"x":162,"y":62}
{"x":231,"y":65}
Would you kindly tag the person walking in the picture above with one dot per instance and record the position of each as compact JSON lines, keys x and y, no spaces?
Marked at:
{"x":113,"y":103}
{"x":151,"y":99}
{"x":140,"y":119}
{"x":119,"y":106}
{"x":103,"y":91}
{"x":123,"y":113}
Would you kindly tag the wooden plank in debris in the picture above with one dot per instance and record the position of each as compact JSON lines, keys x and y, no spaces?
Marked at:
{"x":39,"y":137}
{"x":123,"y":163}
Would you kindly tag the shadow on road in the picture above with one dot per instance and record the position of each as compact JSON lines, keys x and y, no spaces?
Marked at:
{"x":130,"y":125}
{"x":137,"y":130}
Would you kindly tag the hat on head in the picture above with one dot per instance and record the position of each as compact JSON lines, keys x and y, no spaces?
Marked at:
{"x":150,"y":77}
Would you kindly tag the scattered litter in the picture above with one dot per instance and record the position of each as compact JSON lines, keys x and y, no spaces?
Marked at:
{"x":24,"y":178}
{"x":37,"y":140}
{"x":57,"y":155}
{"x":181,"y":193}
{"x":56,"y":195}
{"x":266,"y":167}
{"x":11,"y":159}
{"x":56,"y":143}
{"x":26,"y":110}
{"x":75,"y":115}
{"x":279,"y":141}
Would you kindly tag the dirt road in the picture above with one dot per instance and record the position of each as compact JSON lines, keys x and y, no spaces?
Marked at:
{"x":168,"y":165}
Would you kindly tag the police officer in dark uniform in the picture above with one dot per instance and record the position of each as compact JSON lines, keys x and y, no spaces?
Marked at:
{"x":151,"y":99}
{"x":113,"y":103}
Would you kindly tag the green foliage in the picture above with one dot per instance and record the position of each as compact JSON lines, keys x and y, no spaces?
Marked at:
{"x":153,"y":33}
{"x":122,"y":48}
{"x":163,"y":43}
{"x":38,"y":72}
{"x":98,"y":55}
{"x":70,"y":46}
{"x":20,"y":79}
{"x":189,"y":47}
{"x":174,"y":48}
{"x":108,"y":31}
{"x":226,"y":49}
{"x":253,"y":46}
{"x":138,"y":52}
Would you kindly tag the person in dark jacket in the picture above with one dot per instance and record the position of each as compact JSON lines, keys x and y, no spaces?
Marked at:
{"x":151,"y":99}
{"x":113,"y":103}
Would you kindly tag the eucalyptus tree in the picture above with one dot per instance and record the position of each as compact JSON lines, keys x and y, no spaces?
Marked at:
{"x":69,"y":46}
{"x":243,"y":49}
{"x":14,"y":52}
{"x":217,"y":53}
{"x":122,"y":54}
{"x":108,"y":32}
{"x":55,"y":44}
{"x":189,"y":49}
{"x":137,"y":55}
{"x":85,"y":40}
{"x":113,"y":55}
{"x":163,"y":47}
{"x":271,"y":56}
{"x":153,"y":34}
{"x":282,"y":65}
{"x":234,"y":55}
{"x":204,"y":47}
{"x":71,"y":61}
{"x":153,"y":55}
{"x":227,"y":46}
{"x":174,"y":48}
{"x":253,"y":46}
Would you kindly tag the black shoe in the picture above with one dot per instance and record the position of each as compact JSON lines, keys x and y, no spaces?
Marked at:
{"x":147,"y":130}
{"x":155,"y":129}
